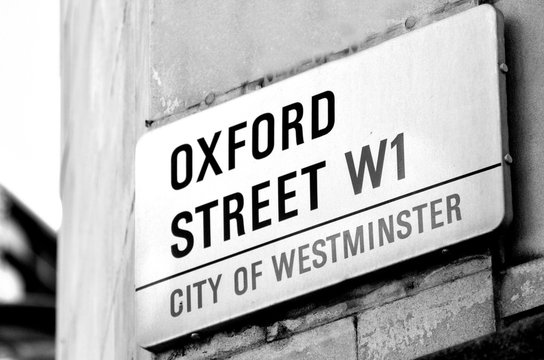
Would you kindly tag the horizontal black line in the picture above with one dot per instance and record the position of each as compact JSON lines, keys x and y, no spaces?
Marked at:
{"x":319,"y":225}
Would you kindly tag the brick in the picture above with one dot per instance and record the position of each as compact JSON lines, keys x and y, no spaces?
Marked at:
{"x":332,"y":341}
{"x":522,"y":288}
{"x":219,"y":345}
{"x":431,"y":320}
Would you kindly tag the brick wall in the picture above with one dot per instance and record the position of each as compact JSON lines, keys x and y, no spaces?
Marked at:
{"x":130,"y":63}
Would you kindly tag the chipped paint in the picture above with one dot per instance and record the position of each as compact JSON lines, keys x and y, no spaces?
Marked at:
{"x":169,"y":105}
{"x":522,"y":288}
{"x":528,"y":288}
{"x":156,"y":76}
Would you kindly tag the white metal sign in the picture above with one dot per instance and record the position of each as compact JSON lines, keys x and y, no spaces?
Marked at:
{"x":347,"y":168}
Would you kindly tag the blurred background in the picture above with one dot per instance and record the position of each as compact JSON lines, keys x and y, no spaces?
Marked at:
{"x":30,"y":210}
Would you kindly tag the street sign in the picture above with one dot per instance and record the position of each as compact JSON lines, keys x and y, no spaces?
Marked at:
{"x":344,"y":169}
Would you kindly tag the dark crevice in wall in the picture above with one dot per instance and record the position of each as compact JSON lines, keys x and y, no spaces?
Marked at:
{"x":497,"y":271}
{"x":355,"y":325}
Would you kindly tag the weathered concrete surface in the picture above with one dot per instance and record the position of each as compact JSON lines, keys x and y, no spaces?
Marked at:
{"x":104,"y":93}
{"x":524,"y":36}
{"x":429,"y":321}
{"x":203,"y":47}
{"x":332,"y":341}
{"x":522,"y":288}
{"x":373,"y":294}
